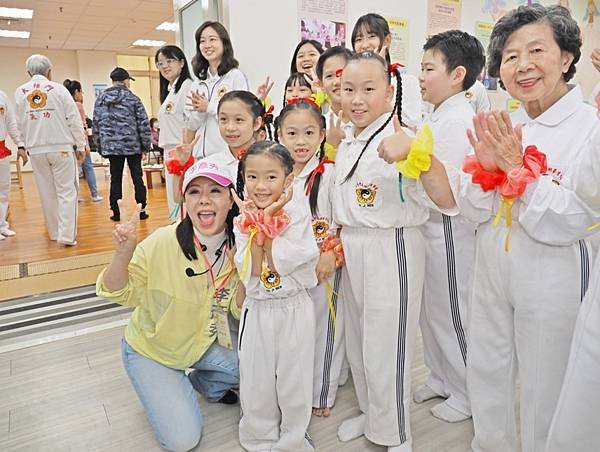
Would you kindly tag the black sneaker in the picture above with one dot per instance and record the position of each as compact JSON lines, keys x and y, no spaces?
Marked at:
{"x":230,"y":398}
{"x":143,"y":215}
{"x":116,"y":217}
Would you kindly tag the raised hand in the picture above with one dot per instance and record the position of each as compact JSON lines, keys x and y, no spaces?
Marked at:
{"x":183,"y":150}
{"x":125,"y":233}
{"x":244,"y":206}
{"x":596,"y":59}
{"x":313,"y":81}
{"x":396,"y":147}
{"x":198,"y":101}
{"x":482,"y":142}
{"x":262,"y":91}
{"x":383,"y":51}
{"x":508,"y":146}
{"x":335,"y":134}
{"x":279,"y":204}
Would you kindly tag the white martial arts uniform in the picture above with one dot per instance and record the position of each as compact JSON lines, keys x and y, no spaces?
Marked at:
{"x":172,"y":117}
{"x":206,"y":123}
{"x":8,"y":126}
{"x":575,"y":425}
{"x":51,"y":127}
{"x":525,"y":301}
{"x":277,"y":339}
{"x":450,"y":250}
{"x":330,"y":345}
{"x":476,"y":95}
{"x":383,"y":281}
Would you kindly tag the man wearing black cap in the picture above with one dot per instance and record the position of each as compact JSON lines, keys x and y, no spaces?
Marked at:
{"x":121,"y":132}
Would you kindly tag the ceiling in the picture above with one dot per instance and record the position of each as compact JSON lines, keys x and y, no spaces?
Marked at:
{"x":90,"y":24}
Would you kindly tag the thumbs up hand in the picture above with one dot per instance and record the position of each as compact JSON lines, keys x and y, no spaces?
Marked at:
{"x":395,"y":147}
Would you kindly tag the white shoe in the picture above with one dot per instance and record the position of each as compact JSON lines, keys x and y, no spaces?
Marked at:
{"x":2,"y":237}
{"x":7,"y":232}
{"x":352,"y":428}
{"x":97,"y":198}
{"x":62,"y":242}
{"x":424,"y":393}
{"x":447,"y":413}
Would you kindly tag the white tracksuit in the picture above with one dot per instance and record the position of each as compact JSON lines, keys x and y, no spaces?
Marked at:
{"x":277,"y":340}
{"x":525,"y":301}
{"x":575,"y":425}
{"x":450,"y":250}
{"x":8,"y":126}
{"x":172,"y":117}
{"x":330,"y":344}
{"x":206,"y":123}
{"x":51,"y":127}
{"x":383,"y":281}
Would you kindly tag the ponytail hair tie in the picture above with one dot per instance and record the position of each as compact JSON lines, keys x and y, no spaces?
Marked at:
{"x":308,"y":100}
{"x":394,"y":68}
{"x":241,"y":154}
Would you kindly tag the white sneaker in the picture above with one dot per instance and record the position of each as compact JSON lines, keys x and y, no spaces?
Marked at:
{"x":97,"y":198}
{"x":62,"y":242}
{"x":7,"y":232}
{"x":2,"y":237}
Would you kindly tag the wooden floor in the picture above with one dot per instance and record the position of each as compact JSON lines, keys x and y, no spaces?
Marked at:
{"x":73,"y":395}
{"x":32,"y":244}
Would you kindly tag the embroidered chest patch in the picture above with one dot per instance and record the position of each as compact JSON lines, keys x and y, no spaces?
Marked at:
{"x":366,"y":194}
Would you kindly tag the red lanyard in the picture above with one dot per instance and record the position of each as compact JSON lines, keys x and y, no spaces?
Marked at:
{"x":209,"y":267}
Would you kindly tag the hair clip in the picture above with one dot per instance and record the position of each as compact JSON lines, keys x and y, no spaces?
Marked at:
{"x":394,"y":67}
{"x":304,"y":99}
{"x":338,"y":72}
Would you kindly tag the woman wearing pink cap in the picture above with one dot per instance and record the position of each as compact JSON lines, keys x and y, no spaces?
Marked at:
{"x":183,"y":285}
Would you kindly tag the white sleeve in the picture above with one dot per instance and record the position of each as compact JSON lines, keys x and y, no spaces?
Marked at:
{"x":554,"y":214}
{"x":194,"y":120}
{"x":473,"y":203}
{"x":11,"y":125}
{"x":296,"y":245}
{"x":241,"y":247}
{"x":412,"y":107}
{"x":585,"y":177}
{"x":21,"y":119}
{"x":73,"y":118}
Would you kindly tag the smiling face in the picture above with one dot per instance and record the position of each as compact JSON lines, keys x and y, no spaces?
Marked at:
{"x":366,"y":93}
{"x":296,"y":90}
{"x":265,"y":179}
{"x":436,"y":83}
{"x":169,"y":68}
{"x":367,"y":41}
{"x":306,"y":58}
{"x":330,"y":82}
{"x":237,"y":125}
{"x":301,"y":133}
{"x":533,"y":65}
{"x":211,"y":46}
{"x":207,"y":203}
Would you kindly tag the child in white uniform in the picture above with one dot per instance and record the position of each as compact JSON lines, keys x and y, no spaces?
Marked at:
{"x":218,"y":73}
{"x":450,"y":63}
{"x":300,"y":127}
{"x":277,"y":330}
{"x":379,"y":214}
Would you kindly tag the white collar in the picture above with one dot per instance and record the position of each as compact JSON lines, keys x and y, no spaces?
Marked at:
{"x":451,"y":102}
{"x":557,"y":113}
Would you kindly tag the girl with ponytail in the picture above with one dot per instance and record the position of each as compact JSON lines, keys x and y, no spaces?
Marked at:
{"x":378,"y":213}
{"x":301,"y":129}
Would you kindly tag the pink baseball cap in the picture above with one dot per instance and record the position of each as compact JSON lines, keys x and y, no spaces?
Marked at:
{"x":212,"y":167}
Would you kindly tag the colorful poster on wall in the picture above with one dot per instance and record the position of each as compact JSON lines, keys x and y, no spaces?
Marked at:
{"x":443,"y":15}
{"x":400,"y":40}
{"x":483,"y":31}
{"x":98,"y":88}
{"x":323,"y":21}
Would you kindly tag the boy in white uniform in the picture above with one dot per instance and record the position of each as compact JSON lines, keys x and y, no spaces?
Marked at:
{"x":8,"y":125}
{"x":451,"y":62}
{"x":52,"y":129}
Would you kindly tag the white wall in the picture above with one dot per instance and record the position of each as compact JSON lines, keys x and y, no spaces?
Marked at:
{"x":94,"y":67}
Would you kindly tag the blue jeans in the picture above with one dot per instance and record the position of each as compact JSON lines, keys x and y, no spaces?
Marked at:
{"x":90,"y":175}
{"x":169,"y":400}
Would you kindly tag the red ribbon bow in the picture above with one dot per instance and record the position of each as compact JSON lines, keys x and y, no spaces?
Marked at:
{"x":269,"y":110}
{"x":394,"y":67}
{"x":320,"y":169}
{"x":241,"y":154}
{"x":304,"y":99}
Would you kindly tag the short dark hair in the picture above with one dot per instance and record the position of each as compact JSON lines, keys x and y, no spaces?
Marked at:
{"x":372,"y":23}
{"x":72,"y":86}
{"x":297,"y":78}
{"x":330,"y":53}
{"x":459,"y":49}
{"x":174,"y":52}
{"x":316,"y":44}
{"x":565,"y":29}
{"x":228,"y":62}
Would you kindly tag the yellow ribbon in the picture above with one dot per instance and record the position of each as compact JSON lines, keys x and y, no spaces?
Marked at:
{"x":419,"y":156}
{"x":506,"y":207}
{"x":330,"y":151}
{"x":319,"y":98}
{"x":253,"y":230}
{"x":267,"y":102}
{"x":594,"y":226}
{"x":330,"y":292}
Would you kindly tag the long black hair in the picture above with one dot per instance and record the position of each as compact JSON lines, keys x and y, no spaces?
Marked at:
{"x":185,"y":232}
{"x":316,"y":44}
{"x":228,"y":61}
{"x":307,"y":106}
{"x":257,"y":110}
{"x":372,"y":23}
{"x":275,"y":150}
{"x":397,"y":110}
{"x":175,"y":53}
{"x":297,"y":78}
{"x":72,"y":86}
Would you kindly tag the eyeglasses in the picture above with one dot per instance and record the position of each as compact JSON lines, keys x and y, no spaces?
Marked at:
{"x":167,"y":62}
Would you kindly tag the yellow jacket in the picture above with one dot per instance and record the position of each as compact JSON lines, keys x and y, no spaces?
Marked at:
{"x":173,"y":320}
